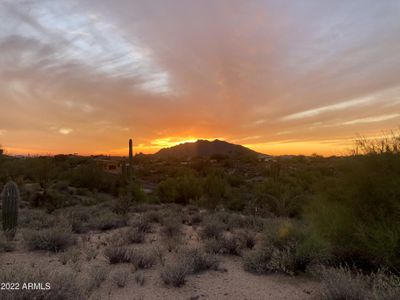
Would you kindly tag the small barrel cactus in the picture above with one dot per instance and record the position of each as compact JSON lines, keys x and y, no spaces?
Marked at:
{"x":10,"y":198}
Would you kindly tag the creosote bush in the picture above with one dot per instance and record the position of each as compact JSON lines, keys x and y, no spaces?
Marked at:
{"x":345,"y":283}
{"x":174,"y":274}
{"x":171,"y":228}
{"x":120,"y":277}
{"x":52,"y":239}
{"x":117,"y":254}
{"x":198,"y":261}
{"x":284,"y":249}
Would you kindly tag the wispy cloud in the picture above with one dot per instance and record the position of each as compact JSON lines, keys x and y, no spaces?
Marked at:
{"x":328,"y":108}
{"x":372,"y":119}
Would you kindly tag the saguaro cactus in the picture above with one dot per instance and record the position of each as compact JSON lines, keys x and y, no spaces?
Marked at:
{"x":10,"y":199}
{"x":130,"y":172}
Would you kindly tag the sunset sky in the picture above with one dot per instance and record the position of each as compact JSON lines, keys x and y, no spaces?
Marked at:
{"x":281,"y":77}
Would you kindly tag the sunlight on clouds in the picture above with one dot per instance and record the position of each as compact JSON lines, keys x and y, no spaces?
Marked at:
{"x":65,"y":131}
{"x":93,"y":41}
{"x":372,"y":119}
{"x":333,"y":107}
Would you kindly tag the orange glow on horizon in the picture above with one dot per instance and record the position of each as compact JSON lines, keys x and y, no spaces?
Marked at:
{"x":325,"y":148}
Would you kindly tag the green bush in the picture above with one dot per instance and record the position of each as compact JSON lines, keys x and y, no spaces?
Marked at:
{"x":357,"y":211}
{"x":180,"y":190}
{"x":285,"y":248}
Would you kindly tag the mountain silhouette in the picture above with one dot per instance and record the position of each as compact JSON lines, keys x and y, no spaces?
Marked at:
{"x":204,"y":148}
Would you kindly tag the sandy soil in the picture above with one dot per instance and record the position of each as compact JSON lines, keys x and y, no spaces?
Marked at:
{"x":230,"y":281}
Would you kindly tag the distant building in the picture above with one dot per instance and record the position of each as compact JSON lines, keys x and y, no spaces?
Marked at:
{"x":264,"y":158}
{"x":112,"y":165}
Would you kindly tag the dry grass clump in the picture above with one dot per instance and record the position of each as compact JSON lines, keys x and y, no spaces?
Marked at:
{"x":97,"y":274}
{"x":70,"y":255}
{"x":247,"y":239}
{"x":171,"y":228}
{"x":212,"y":229}
{"x":52,"y":239}
{"x":345,"y":283}
{"x":198,"y":261}
{"x":134,"y":236}
{"x":139,"y":278}
{"x":142,"y":224}
{"x":142,"y":259}
{"x":224,"y":245}
{"x":120,"y":278}
{"x":152,"y":216}
{"x":342,"y":283}
{"x":187,"y":261}
{"x":64,"y":284}
{"x":117,"y":254}
{"x":36,"y":219}
{"x":106,"y":220}
{"x":174,"y":274}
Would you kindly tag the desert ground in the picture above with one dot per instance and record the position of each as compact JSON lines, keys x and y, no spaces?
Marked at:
{"x":164,"y":238}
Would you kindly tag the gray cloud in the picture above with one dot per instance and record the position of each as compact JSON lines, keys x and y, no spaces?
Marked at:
{"x":254,"y":71}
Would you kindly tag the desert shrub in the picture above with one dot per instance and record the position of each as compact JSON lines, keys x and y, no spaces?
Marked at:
{"x":134,"y":236}
{"x":385,"y":285}
{"x":171,"y":228}
{"x":36,"y":219}
{"x":342,"y":283}
{"x":64,"y":284}
{"x":120,"y":277}
{"x":198,"y":261}
{"x":106,"y":221}
{"x":139,"y":278}
{"x":174,"y":274}
{"x":180,"y":190}
{"x":127,"y":236}
{"x":215,"y":188}
{"x":5,"y":245}
{"x":69,"y":255}
{"x":194,"y":219}
{"x":284,"y":249}
{"x":223,"y":245}
{"x":142,"y":224}
{"x":117,"y":254}
{"x":152,"y":216}
{"x":141,"y":258}
{"x":90,"y":253}
{"x":212,"y":229}
{"x":283,"y":198}
{"x":129,"y":195}
{"x":89,"y":175}
{"x":230,"y":245}
{"x":357,"y":210}
{"x":52,"y":239}
{"x":247,"y":239}
{"x":97,"y":275}
{"x":79,"y":217}
{"x":213,"y":245}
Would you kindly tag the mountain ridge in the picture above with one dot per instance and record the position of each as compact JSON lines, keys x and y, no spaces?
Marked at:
{"x":206,"y":148}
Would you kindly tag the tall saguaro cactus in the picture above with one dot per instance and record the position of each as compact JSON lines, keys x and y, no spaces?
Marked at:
{"x":10,"y":198}
{"x":130,"y":172}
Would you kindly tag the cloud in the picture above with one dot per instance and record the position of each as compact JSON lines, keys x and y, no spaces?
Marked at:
{"x":372,"y":119}
{"x":159,"y":69}
{"x":65,"y":131}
